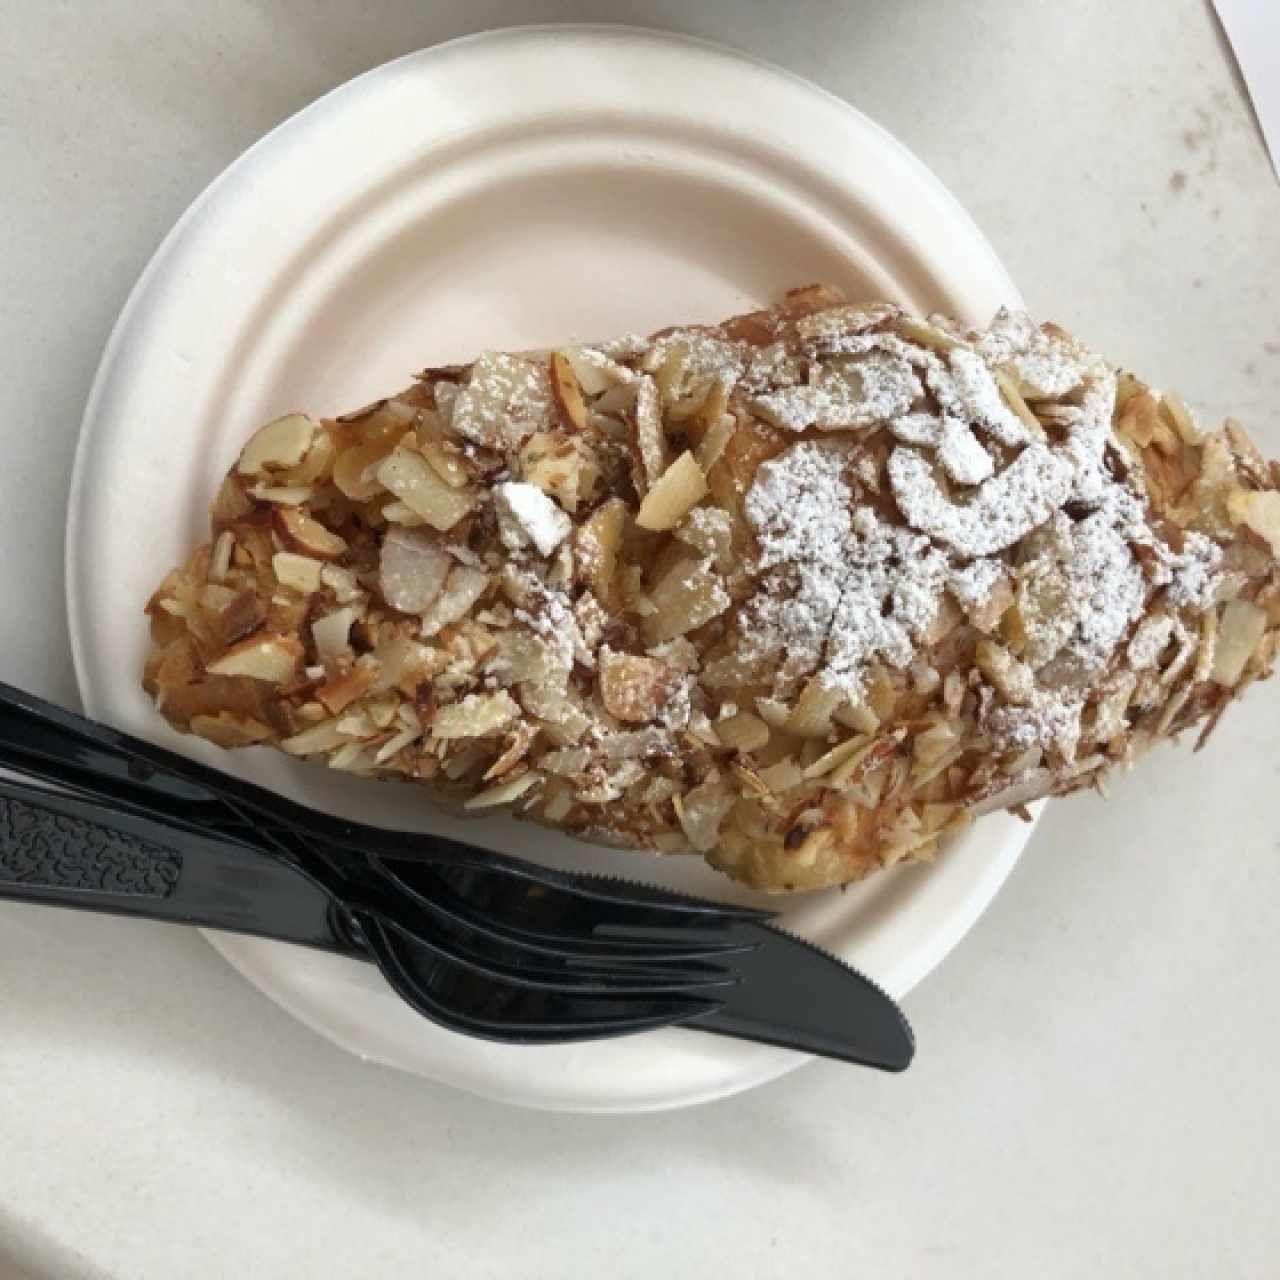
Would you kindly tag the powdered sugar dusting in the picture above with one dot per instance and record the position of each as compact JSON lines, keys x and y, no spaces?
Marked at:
{"x":842,"y":587}
{"x":848,"y":393}
{"x":1005,"y":509}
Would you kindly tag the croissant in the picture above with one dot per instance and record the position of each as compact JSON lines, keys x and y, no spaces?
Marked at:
{"x":804,"y":592}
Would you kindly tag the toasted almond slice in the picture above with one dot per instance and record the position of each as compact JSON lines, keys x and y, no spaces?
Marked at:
{"x":504,"y":792}
{"x":596,"y":372}
{"x":270,"y":657}
{"x":567,"y":392}
{"x":282,"y":443}
{"x":448,"y":464}
{"x":332,"y":632}
{"x":418,"y":485}
{"x":1260,"y":510}
{"x":477,"y":715}
{"x":687,"y":597}
{"x":340,"y":692}
{"x":283,"y":495}
{"x":651,"y":444}
{"x":397,"y":513}
{"x":395,"y":744}
{"x":308,"y":537}
{"x":680,"y":488}
{"x":743,"y":732}
{"x":300,"y":573}
{"x":811,"y":716}
{"x":773,"y":712}
{"x":781,"y":776}
{"x":324,"y":736}
{"x":229,"y":731}
{"x":716,"y":440}
{"x":342,"y":582}
{"x":829,"y":760}
{"x":1239,"y":631}
{"x":633,"y":688}
{"x":702,"y":810}
{"x":317,"y":464}
{"x":412,"y":569}
{"x":597,"y":543}
{"x":220,"y":560}
{"x":1013,"y":679}
{"x":355,"y":472}
{"x":464,"y":587}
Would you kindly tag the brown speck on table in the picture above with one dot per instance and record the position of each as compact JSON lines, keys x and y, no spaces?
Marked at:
{"x":1251,"y":368}
{"x":1272,"y":348}
{"x":1177,"y":181}
{"x":1198,"y":282}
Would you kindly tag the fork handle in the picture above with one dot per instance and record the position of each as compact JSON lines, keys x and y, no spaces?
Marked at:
{"x":61,"y":851}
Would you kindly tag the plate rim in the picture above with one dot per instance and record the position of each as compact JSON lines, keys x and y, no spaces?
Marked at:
{"x":999,"y":863}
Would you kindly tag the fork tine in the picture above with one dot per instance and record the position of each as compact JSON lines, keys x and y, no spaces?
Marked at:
{"x":478,"y":1006}
{"x":526,"y":915}
{"x":517,"y":967}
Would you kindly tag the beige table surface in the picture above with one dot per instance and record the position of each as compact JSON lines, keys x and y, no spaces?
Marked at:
{"x":1095,"y":1093}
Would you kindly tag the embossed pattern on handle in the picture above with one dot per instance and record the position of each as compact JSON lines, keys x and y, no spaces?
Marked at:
{"x":41,"y":848}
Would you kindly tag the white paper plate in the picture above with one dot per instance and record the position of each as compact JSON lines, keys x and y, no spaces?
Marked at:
{"x":509,"y":190}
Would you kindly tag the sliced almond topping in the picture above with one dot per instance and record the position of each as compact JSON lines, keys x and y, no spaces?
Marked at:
{"x":220,"y":559}
{"x":634,"y":689}
{"x":596,"y":372}
{"x":1239,"y":631}
{"x":462,"y":589}
{"x":811,"y":716}
{"x":280,"y":444}
{"x":308,"y":537}
{"x":230,"y":731}
{"x":283,"y":495}
{"x":342,"y":582}
{"x":504,"y":792}
{"x":567,"y":391}
{"x":651,"y":443}
{"x":332,"y":632}
{"x":687,"y":596}
{"x":597,"y":543}
{"x":782,"y":776}
{"x":340,"y":692}
{"x":1260,"y":511}
{"x":319,"y":737}
{"x":419,"y":486}
{"x":446,"y":462}
{"x":743,"y":732}
{"x":356,"y":470}
{"x":829,"y":760}
{"x":397,"y":513}
{"x":300,"y":573}
{"x":680,"y":488}
{"x":702,"y":810}
{"x":412,"y":570}
{"x":272,"y":658}
{"x":1013,"y":679}
{"x":478,"y":715}
{"x":716,"y":441}
{"x":316,"y":466}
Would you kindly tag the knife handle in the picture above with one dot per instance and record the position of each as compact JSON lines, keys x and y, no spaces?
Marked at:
{"x":58,"y":850}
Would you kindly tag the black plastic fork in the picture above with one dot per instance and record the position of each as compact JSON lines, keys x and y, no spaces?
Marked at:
{"x":482,"y":943}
